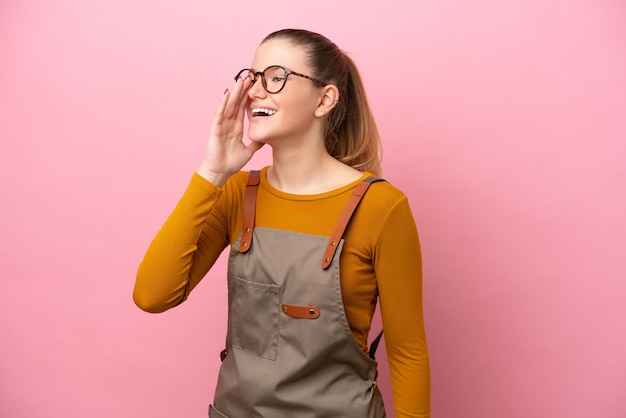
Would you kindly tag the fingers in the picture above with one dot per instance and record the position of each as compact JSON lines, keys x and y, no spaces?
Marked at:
{"x":236,"y":100}
{"x":219,"y":112}
{"x":241,"y":111}
{"x":231,"y":109}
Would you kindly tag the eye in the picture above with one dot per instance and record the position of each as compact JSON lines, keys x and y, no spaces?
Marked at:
{"x":278,"y":79}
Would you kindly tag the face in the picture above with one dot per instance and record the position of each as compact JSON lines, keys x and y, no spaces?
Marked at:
{"x":290,"y":113}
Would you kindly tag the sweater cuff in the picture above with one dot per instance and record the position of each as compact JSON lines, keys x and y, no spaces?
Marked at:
{"x":201,"y":184}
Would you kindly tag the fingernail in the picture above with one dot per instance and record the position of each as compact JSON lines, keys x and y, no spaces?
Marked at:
{"x":225,"y":91}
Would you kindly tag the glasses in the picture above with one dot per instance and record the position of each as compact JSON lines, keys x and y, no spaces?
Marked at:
{"x":273,"y":77}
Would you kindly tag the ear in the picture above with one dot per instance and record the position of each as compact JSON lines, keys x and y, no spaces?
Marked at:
{"x":328,"y":100}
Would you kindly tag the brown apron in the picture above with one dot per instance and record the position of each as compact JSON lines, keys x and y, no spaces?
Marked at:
{"x":289,"y":348}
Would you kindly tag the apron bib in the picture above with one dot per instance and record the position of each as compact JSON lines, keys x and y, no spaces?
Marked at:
{"x":289,"y":348}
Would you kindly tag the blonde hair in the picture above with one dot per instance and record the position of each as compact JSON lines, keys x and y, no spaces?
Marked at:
{"x":350,"y":132}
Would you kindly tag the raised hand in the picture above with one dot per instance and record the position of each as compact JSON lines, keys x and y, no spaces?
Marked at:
{"x":225,"y":152}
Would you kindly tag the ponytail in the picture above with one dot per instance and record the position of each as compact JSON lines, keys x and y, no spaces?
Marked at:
{"x":351,"y":133}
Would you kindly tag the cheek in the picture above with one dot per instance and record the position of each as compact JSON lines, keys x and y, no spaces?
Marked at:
{"x":302,"y":105}
{"x":297,"y":116}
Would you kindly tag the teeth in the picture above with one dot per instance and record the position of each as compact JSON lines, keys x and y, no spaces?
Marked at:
{"x":262,"y":111}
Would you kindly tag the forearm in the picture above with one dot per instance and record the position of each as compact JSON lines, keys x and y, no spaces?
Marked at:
{"x":410,"y":377}
{"x":180,"y":255}
{"x":407,"y":349}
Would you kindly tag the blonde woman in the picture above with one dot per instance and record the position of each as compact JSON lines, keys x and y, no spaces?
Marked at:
{"x":316,"y":241}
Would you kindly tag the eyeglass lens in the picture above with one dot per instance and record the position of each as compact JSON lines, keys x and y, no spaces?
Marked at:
{"x":274,"y":78}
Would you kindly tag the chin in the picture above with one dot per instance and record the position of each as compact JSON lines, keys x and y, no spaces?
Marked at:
{"x":259,"y":137}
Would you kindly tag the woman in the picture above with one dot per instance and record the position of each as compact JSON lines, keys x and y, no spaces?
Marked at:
{"x":315,"y":241}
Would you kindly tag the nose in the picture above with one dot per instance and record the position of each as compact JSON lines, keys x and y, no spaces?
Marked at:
{"x":256,"y":89}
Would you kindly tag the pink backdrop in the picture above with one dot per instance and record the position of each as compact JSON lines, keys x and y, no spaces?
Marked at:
{"x":504,"y":122}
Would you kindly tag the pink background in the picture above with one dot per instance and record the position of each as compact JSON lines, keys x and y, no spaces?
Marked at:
{"x":504,"y":122}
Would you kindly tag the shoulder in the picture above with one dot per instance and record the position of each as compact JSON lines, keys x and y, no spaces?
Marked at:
{"x":382,"y":201}
{"x":382,"y":193}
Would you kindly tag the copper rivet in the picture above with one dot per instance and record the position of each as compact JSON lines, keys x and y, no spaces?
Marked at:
{"x":285,"y":308}
{"x":327,"y":259}
{"x":312,"y":311}
{"x":247,"y":229}
{"x":333,"y":243}
{"x":245,"y":244}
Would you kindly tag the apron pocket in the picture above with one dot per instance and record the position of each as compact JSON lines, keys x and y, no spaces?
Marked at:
{"x":255,"y":314}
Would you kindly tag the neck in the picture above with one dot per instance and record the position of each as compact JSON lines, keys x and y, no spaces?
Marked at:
{"x":308,"y":169}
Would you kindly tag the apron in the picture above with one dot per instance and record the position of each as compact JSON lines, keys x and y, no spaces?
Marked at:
{"x":289,"y":348}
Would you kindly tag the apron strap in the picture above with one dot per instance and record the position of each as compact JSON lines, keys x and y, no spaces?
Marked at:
{"x":249,"y":207}
{"x":344,"y":219}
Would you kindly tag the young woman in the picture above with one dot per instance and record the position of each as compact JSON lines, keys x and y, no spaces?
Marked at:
{"x":316,"y":241}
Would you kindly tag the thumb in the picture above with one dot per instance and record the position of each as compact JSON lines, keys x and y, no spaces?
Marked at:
{"x":253,"y":147}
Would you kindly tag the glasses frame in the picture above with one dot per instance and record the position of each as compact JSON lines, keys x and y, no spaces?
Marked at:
{"x":287,"y":71}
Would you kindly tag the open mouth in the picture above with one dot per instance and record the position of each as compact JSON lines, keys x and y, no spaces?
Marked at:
{"x":260,"y":111}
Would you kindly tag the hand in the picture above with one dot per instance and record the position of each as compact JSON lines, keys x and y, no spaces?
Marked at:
{"x":225,"y":152}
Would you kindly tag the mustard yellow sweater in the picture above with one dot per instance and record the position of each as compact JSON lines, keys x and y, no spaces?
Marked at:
{"x":381,"y":258}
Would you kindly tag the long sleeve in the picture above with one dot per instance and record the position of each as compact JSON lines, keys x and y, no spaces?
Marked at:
{"x":183,"y":250}
{"x":398,"y":267}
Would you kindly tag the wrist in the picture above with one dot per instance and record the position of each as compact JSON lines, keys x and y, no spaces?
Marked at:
{"x":216,"y":178}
